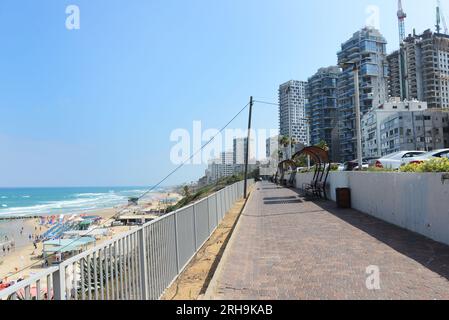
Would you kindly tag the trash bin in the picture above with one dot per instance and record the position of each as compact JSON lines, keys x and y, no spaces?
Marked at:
{"x":343,"y":198}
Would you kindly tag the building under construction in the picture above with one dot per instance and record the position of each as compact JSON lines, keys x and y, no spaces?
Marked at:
{"x":394,"y":80}
{"x":426,"y":69}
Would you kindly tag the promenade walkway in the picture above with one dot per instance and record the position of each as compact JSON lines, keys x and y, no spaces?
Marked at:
{"x":287,"y":248}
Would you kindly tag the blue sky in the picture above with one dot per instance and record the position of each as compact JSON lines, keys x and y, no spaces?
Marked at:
{"x":96,"y":106}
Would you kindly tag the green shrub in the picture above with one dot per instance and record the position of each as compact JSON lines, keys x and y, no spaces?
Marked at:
{"x":411,"y":167}
{"x":334,"y":167}
{"x":375,"y":169}
{"x":433,"y":165}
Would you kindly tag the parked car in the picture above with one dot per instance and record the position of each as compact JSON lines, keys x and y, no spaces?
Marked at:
{"x":395,"y":160}
{"x":354,"y":164}
{"x":442,"y":153}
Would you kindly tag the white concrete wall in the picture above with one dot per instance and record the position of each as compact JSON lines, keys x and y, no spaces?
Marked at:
{"x":417,"y":202}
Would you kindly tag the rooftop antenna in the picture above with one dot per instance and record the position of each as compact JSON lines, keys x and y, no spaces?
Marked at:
{"x":401,"y":20}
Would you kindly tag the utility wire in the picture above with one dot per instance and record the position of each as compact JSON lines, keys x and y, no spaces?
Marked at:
{"x":141,"y":196}
{"x":269,"y":103}
{"x":194,"y":154}
{"x":277,"y":104}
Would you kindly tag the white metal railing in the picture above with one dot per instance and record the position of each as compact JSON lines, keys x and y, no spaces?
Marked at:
{"x":137,"y":265}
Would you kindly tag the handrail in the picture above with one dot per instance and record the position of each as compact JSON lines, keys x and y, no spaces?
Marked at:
{"x":131,"y":257}
{"x":27,"y":282}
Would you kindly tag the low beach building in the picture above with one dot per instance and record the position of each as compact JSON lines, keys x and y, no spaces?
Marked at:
{"x":132,"y":220}
{"x":56,"y":251}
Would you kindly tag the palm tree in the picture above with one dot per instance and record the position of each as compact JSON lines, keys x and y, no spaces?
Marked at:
{"x":186,"y":191}
{"x":284,"y":141}
{"x":293,"y":143}
{"x":280,"y":154}
{"x":323,"y":145}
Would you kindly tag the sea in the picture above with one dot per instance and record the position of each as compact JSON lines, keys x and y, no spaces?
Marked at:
{"x":22,"y":202}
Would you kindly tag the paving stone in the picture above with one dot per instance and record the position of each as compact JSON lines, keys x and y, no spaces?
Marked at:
{"x":288,"y":248}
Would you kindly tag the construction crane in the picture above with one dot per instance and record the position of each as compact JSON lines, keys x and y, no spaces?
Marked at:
{"x":441,"y":19}
{"x":401,"y":19}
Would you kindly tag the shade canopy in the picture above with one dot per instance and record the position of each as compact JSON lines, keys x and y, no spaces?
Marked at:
{"x":318,"y":154}
{"x":67,"y":245}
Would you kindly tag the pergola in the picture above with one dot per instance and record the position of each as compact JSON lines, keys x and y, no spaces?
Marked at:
{"x":322,"y":169}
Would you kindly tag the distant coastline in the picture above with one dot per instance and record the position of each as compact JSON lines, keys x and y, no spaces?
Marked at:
{"x":29,"y":203}
{"x":19,"y":230}
{"x":9,"y":218}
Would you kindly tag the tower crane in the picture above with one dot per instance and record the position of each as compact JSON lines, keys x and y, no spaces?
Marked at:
{"x":441,"y":19}
{"x":401,"y":19}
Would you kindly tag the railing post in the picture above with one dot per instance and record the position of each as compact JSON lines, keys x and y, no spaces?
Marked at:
{"x":59,"y":284}
{"x":194,"y":227}
{"x":216,"y":209}
{"x":143,"y":264}
{"x":175,"y":215}
{"x":208,"y":216}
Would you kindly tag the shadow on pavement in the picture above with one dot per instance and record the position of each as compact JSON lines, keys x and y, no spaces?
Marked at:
{"x":431,"y":254}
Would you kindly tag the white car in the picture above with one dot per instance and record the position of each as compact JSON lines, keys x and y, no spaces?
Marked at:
{"x":365,"y":166}
{"x":395,"y":160}
{"x":442,"y":153}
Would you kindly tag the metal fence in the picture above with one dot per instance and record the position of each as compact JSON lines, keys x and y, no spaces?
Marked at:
{"x":138,"y":265}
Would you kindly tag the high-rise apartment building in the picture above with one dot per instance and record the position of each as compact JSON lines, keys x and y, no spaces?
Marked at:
{"x":426,"y":69}
{"x":321,"y":109}
{"x":292,"y":102}
{"x":272,"y":147}
{"x":366,"y":48}
{"x":239,"y":148}
{"x":221,"y":167}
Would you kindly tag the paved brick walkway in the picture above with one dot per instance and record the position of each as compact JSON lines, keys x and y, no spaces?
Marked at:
{"x":287,"y":248}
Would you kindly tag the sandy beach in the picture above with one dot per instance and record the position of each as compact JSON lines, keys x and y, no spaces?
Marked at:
{"x":25,"y":256}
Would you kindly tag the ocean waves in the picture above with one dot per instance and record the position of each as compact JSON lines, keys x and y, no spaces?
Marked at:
{"x":65,"y":201}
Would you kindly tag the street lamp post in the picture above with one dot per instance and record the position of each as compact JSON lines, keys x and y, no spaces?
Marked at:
{"x":245,"y":183}
{"x":307,"y":121}
{"x":308,"y":141}
{"x":357,"y":111}
{"x":357,"y":117}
